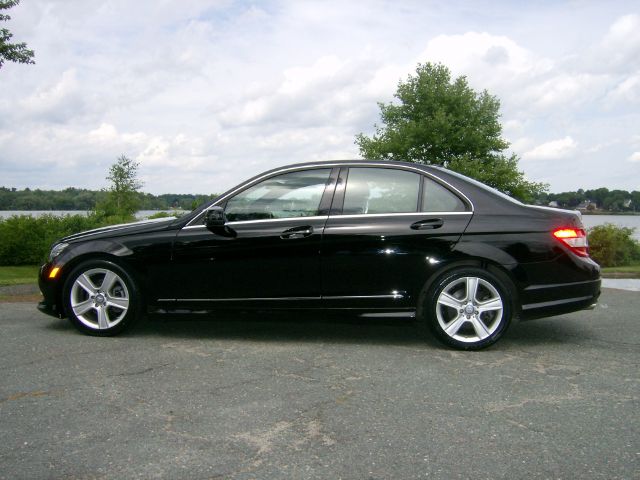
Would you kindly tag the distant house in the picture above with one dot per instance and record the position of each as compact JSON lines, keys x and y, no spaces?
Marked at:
{"x":586,"y":205}
{"x":553,"y":204}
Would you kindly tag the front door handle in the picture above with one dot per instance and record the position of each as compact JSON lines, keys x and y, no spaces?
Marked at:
{"x":428,"y":224}
{"x":297,"y":232}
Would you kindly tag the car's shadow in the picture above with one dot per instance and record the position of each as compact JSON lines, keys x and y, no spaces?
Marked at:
{"x":332,"y":328}
{"x":288,"y":327}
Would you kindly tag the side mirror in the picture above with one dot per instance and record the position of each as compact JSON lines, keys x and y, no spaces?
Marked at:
{"x":215,"y":218}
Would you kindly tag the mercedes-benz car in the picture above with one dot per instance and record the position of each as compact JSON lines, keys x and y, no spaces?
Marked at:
{"x":378,"y":238}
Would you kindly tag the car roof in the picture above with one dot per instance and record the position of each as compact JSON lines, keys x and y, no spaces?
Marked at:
{"x":347,"y":162}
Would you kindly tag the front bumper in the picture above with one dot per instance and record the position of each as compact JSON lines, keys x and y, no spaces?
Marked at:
{"x":49,"y":309}
{"x":51,"y":291}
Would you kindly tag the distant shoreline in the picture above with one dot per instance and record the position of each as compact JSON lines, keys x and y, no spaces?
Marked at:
{"x":604,"y":212}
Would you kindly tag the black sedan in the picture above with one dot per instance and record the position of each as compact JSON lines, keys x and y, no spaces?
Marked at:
{"x":377,"y":238}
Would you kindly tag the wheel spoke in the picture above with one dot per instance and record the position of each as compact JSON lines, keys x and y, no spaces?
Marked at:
{"x":84,"y":281}
{"x":481,"y":329}
{"x":493,"y":304}
{"x":109,"y":280}
{"x":103,"y":319}
{"x":81,"y":308}
{"x":117,"y":302}
{"x":454,"y":326}
{"x":472,"y":288}
{"x":449,"y":301}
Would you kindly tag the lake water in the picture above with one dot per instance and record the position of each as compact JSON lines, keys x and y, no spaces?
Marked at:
{"x":632,"y":221}
{"x":588,"y":220}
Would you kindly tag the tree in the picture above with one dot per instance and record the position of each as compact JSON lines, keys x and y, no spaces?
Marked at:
{"x":14,"y":52}
{"x":122,"y":197}
{"x":443,"y":122}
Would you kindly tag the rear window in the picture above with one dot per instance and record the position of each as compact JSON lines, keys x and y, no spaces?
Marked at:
{"x":480,"y":185}
{"x":436,"y":198}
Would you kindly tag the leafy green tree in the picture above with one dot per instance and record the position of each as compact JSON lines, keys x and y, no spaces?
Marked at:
{"x":13,"y":52}
{"x":635,"y":200}
{"x":441,"y":121}
{"x":122,"y":197}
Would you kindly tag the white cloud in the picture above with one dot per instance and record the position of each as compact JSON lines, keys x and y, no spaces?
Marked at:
{"x":620,"y":48}
{"x":566,"y":89}
{"x":213,"y":92}
{"x":486,"y":55}
{"x":634,"y":157}
{"x":54,"y":102}
{"x":554,"y":149}
{"x":626,"y":92}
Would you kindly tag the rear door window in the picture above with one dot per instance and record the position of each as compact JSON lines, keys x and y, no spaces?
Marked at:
{"x":380,"y":190}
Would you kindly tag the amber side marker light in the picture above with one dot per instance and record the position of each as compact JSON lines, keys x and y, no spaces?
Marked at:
{"x":54,"y":272}
{"x":575,"y":239}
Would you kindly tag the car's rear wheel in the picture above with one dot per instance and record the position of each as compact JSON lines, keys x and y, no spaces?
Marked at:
{"x":468,"y":308}
{"x":101,"y":298}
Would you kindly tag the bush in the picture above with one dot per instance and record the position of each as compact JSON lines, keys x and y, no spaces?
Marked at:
{"x":26,"y":240}
{"x":177,"y":213}
{"x":613,"y":246}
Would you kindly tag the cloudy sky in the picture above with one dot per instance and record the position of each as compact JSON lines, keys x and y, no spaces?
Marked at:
{"x":207,"y":93}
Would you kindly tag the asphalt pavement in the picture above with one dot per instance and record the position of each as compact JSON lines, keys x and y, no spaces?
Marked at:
{"x":256,"y":396}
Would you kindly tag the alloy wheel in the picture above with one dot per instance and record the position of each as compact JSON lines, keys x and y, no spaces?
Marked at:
{"x":99,"y":298}
{"x":469,"y":309}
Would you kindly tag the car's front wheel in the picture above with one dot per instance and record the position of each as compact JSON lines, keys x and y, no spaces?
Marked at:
{"x":469,"y":308}
{"x":101,"y":298}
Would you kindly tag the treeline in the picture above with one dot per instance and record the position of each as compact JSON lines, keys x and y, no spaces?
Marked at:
{"x":83,"y":199}
{"x":593,"y":200}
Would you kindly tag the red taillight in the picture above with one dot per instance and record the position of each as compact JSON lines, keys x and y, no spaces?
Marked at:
{"x":574,"y":238}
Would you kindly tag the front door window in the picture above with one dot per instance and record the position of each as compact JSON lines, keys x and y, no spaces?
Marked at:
{"x":290,"y":195}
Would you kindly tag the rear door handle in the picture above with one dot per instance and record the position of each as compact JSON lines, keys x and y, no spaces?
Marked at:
{"x":428,"y":224}
{"x":297,"y":232}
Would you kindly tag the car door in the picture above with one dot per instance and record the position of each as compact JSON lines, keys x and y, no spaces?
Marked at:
{"x":271,"y":253}
{"x":388,"y":229}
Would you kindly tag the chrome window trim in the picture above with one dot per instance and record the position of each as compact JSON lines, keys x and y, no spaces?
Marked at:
{"x":332,"y":165}
{"x":287,"y":219}
{"x":419,"y":214}
{"x":326,"y":217}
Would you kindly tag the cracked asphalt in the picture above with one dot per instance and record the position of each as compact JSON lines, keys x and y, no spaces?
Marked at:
{"x":254,"y":396}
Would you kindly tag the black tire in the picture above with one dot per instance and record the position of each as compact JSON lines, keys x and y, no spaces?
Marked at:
{"x":114,"y":304}
{"x":468,"y":323}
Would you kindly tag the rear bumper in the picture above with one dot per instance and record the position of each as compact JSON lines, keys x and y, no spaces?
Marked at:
{"x":556,"y":299}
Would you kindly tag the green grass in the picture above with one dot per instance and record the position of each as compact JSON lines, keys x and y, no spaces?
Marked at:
{"x":632,"y":271}
{"x":18,"y":275}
